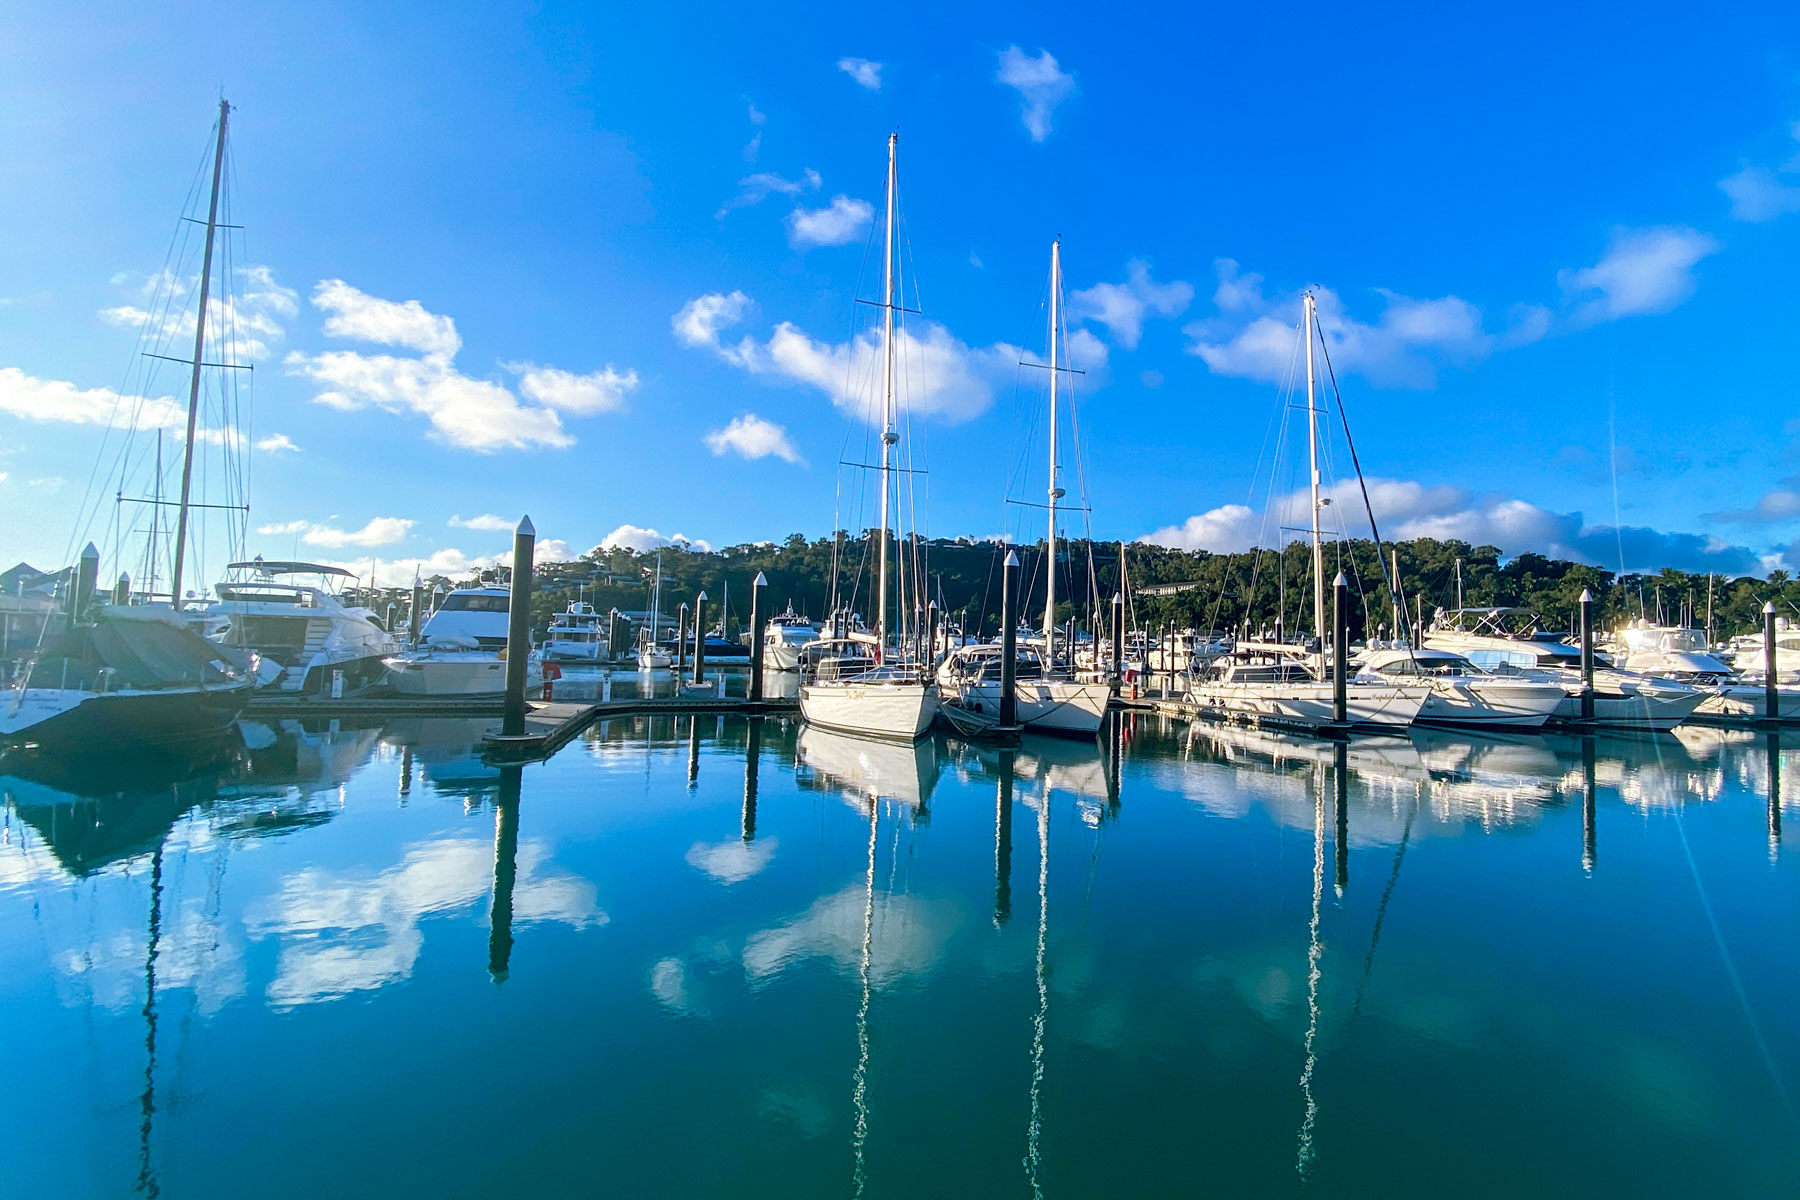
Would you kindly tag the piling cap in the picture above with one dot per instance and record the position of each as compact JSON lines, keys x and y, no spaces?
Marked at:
{"x":1587,"y":597}
{"x":525,"y":529}
{"x":700,"y":599}
{"x":1340,"y":581}
{"x":761,"y":580}
{"x":88,"y":552}
{"x":1118,"y":598}
{"x":1768,"y":607}
{"x":1012,"y":558}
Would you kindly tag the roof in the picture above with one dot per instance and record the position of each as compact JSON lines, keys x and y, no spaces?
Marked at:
{"x":289,"y":568}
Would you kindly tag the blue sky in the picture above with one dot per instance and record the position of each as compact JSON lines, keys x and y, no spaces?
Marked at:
{"x":601,"y":267}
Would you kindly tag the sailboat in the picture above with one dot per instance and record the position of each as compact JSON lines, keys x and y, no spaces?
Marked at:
{"x":651,"y":656}
{"x":1050,"y":699}
{"x":894,"y":698}
{"x":1283,"y":683}
{"x":128,"y":674}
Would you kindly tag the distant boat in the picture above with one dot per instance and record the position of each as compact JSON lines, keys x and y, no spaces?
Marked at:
{"x":784,"y":638}
{"x":650,"y":656}
{"x":576,"y":635}
{"x":462,"y":649}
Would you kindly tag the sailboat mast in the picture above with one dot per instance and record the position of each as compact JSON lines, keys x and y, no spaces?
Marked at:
{"x":1312,"y":446}
{"x":1055,"y":492}
{"x":888,"y":435}
{"x":187,"y":459}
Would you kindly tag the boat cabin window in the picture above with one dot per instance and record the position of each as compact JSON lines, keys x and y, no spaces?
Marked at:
{"x":455,"y":603}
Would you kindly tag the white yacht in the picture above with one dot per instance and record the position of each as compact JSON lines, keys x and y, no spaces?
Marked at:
{"x":1049,"y":697}
{"x":1507,"y":641}
{"x":895,"y":698}
{"x":1289,"y":683}
{"x":1282,"y":684}
{"x":784,"y":637}
{"x":577,"y":635}
{"x":1464,"y":695}
{"x":306,"y":639}
{"x":969,"y":681}
{"x":462,"y":649}
{"x":1748,"y":652}
{"x":1680,"y":652}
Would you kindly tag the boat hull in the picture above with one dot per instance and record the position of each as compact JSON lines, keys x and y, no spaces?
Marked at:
{"x":887,"y":709}
{"x":467,"y":674}
{"x":1044,"y":706}
{"x":69,"y":719}
{"x":1466,"y":704}
{"x":1309,"y":705}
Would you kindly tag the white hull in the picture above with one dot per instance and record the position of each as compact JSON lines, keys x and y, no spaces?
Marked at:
{"x":1748,"y":702}
{"x":654,"y":660}
{"x":1309,"y":705}
{"x":1044,"y":705}
{"x":781,"y":656}
{"x":572,"y":652}
{"x":457,"y":673}
{"x":1482,"y":704}
{"x":892,"y":710}
{"x":1623,"y":702}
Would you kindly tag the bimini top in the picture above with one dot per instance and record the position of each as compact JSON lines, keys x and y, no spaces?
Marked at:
{"x":289,"y":568}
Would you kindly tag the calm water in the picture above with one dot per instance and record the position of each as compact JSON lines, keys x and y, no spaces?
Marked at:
{"x":713,"y":957}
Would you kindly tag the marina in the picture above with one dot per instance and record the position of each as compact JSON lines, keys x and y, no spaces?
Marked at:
{"x":587,"y":617}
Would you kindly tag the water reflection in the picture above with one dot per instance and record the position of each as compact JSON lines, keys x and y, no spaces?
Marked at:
{"x":826,"y":926}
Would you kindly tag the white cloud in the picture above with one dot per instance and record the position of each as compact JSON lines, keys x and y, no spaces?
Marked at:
{"x":1643,"y":271}
{"x":867,"y":74}
{"x":1760,"y":194}
{"x":583,"y":395}
{"x":35,"y":399}
{"x":1406,"y":509}
{"x":380,"y":531}
{"x":1776,"y":507}
{"x":277,"y":443}
{"x":698,"y":323}
{"x":472,"y":414}
{"x":754,"y":189}
{"x":364,"y":318}
{"x":1041,"y":85}
{"x":635,"y":537}
{"x":935,"y":373}
{"x":240,"y":325}
{"x":284,"y":527}
{"x":485,"y":523}
{"x":749,"y":436}
{"x":1256,"y":338}
{"x":1122,"y":307}
{"x":841,"y":222}
{"x":549,"y":550}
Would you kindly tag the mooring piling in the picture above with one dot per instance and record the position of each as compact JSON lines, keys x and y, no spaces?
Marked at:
{"x":1587,"y":656}
{"x":518,"y":630}
{"x":1771,"y":694}
{"x":414,"y":612}
{"x":1340,"y":649}
{"x":87,"y":578}
{"x":122,"y":590}
{"x":699,"y":639}
{"x":756,"y":635}
{"x":1009,"y":643}
{"x":681,"y":642}
{"x":1118,"y":641}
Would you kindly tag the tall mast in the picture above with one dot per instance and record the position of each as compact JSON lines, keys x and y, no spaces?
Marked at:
{"x":888,"y":435}
{"x":1055,"y":492}
{"x":1312,"y":446}
{"x":187,"y":458}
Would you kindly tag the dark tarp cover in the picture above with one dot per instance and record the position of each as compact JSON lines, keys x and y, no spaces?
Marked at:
{"x":131,"y":653}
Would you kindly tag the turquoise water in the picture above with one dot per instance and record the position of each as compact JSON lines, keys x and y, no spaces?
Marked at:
{"x":357,"y":961}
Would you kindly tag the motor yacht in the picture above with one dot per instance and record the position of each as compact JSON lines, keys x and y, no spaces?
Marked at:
{"x":1281,"y":684}
{"x":462,"y":649}
{"x":1462,"y":694}
{"x":1682,"y":653}
{"x":291,"y":615}
{"x":577,"y":635}
{"x":784,"y":637}
{"x":1509,"y":642}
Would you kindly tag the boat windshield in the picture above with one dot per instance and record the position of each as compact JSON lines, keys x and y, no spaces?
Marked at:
{"x":457,"y":602}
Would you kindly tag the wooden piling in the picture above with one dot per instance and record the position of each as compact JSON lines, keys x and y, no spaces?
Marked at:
{"x":699,"y":639}
{"x":1771,"y":694}
{"x":1009,"y":640}
{"x":1340,"y":650}
{"x":756,"y":635}
{"x":518,"y":630}
{"x":1587,"y":656}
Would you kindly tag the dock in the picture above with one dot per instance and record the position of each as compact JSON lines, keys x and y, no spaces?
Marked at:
{"x":552,"y":724}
